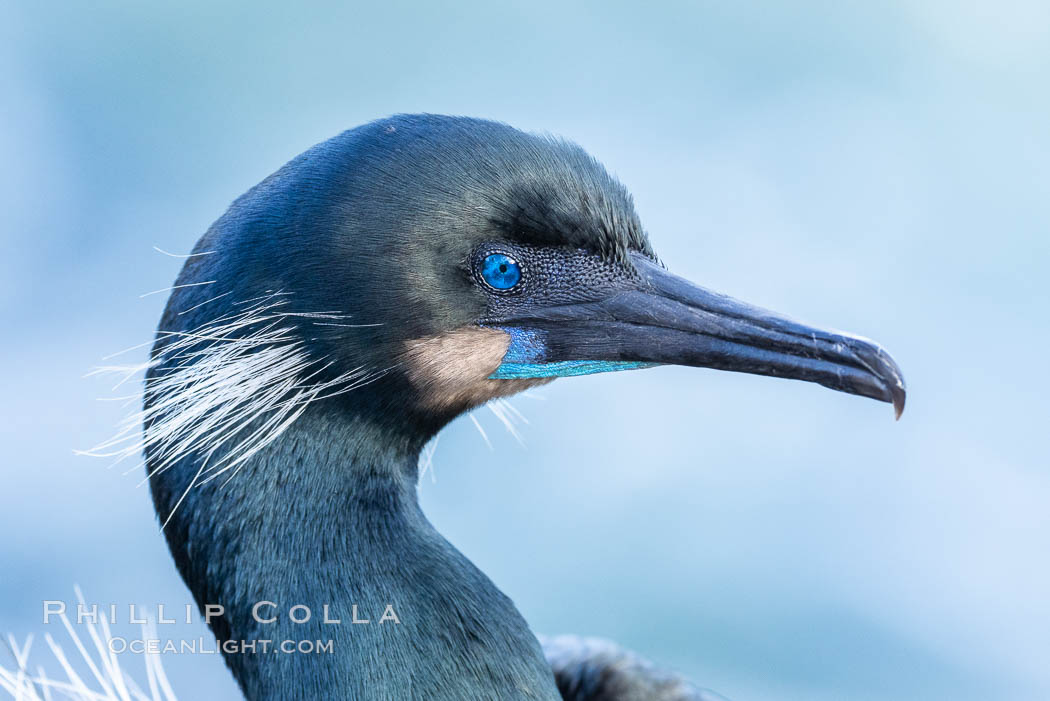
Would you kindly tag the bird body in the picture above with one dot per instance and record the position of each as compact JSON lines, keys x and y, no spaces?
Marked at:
{"x":336,"y":318}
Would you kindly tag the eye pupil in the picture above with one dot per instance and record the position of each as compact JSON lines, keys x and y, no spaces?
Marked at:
{"x":500,"y":271}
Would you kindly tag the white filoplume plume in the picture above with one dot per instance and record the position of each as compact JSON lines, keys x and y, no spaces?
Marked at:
{"x":101,"y":677}
{"x":233,"y":386}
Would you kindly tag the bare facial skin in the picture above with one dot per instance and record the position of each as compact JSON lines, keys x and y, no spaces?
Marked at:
{"x":451,"y":371}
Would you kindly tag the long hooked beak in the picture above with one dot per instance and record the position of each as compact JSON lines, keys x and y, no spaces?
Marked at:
{"x":669,"y":320}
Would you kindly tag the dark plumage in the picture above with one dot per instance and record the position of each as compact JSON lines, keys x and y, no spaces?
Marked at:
{"x":335,"y":318}
{"x":591,"y":669}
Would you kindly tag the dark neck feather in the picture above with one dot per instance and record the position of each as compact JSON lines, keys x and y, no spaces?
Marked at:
{"x":328,"y":514}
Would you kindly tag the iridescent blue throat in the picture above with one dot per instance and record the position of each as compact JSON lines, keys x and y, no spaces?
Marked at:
{"x":525,"y":359}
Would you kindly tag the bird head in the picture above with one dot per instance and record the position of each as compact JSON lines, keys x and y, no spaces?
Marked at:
{"x":419,"y":266}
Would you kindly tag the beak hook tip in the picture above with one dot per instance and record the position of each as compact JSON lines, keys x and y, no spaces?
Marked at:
{"x":898,"y":402}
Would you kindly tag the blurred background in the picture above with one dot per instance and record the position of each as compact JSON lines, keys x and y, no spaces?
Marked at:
{"x":882,"y":168}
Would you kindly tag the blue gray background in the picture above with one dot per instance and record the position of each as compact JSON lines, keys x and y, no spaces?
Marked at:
{"x":882,"y":168}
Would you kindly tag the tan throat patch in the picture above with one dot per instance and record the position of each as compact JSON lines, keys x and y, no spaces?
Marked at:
{"x":451,"y":370}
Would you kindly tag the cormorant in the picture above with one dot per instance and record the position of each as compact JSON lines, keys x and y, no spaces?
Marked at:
{"x":343,"y":311}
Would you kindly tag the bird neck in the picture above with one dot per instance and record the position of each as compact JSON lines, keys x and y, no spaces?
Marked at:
{"x":325,"y":523}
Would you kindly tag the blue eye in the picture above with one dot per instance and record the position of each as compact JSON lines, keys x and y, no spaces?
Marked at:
{"x":500,"y":272}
